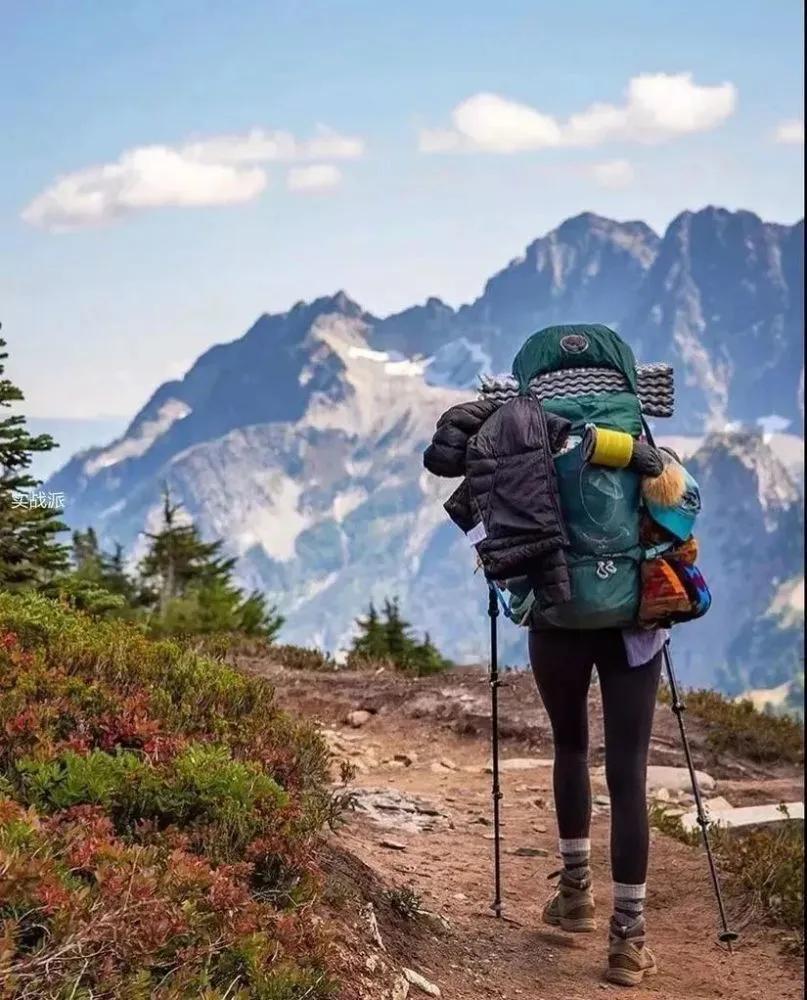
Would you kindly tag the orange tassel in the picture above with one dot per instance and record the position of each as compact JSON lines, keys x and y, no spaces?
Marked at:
{"x":666,"y":490}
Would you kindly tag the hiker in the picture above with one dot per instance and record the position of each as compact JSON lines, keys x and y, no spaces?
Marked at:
{"x":628,"y":667}
{"x":587,"y":527}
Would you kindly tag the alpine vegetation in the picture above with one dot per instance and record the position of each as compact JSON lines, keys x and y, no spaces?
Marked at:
{"x":158,"y":819}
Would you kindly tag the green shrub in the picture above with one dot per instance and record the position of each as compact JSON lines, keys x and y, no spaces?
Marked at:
{"x":159,"y":819}
{"x":405,"y":901}
{"x":766,"y":868}
{"x":72,"y":779}
{"x":738,"y":727}
{"x":670,"y":824}
{"x":763,"y":869}
{"x":300,"y":658}
{"x":223,"y":804}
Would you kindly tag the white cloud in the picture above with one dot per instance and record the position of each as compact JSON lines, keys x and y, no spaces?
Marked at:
{"x":613,"y":174}
{"x":219,"y":170}
{"x":491,"y":122}
{"x":657,"y":107}
{"x":330,"y":145}
{"x":791,"y":131}
{"x":317,"y":177}
{"x":147,"y":177}
{"x":261,"y":146}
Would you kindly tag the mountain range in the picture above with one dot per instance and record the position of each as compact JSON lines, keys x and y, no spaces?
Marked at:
{"x":300,"y":442}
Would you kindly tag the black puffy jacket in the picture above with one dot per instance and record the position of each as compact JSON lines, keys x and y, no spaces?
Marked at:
{"x":445,"y":456}
{"x":505,"y":452}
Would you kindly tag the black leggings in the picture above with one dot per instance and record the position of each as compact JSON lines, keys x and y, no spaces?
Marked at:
{"x":562,"y":661}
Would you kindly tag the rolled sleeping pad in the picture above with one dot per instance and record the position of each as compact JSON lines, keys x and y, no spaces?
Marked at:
{"x":619,"y":450}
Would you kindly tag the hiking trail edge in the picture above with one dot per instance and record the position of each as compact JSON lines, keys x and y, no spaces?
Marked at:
{"x":423,"y":822}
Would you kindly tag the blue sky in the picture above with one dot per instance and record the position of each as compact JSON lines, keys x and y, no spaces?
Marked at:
{"x":393,"y":150}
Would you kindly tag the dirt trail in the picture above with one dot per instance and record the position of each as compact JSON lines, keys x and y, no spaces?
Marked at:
{"x":442,"y":724}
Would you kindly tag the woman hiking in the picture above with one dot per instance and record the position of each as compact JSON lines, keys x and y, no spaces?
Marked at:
{"x":628,"y":666}
{"x":588,"y":527}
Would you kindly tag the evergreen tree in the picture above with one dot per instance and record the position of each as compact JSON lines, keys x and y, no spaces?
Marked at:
{"x":97,"y":581}
{"x":115,"y":577}
{"x":86,"y":555}
{"x":178,"y":559}
{"x":425,"y":658}
{"x":255,"y":618}
{"x":84,"y":586}
{"x":189,"y":584}
{"x":29,"y":552}
{"x":371,"y":643}
{"x":396,"y":632}
{"x":388,"y":637}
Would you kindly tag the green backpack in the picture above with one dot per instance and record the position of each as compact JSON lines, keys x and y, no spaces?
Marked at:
{"x":588,"y":375}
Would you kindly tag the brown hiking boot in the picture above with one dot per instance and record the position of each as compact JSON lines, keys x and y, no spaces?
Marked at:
{"x":629,"y":959}
{"x":572,"y":906}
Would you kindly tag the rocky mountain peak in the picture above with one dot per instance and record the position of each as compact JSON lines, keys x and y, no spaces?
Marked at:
{"x":582,"y":271}
{"x":419,"y":330}
{"x":340,"y":302}
{"x":299,"y":442}
{"x":724,"y":303}
{"x":589,"y":227}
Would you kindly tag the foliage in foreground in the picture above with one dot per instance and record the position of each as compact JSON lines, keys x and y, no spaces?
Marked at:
{"x":302,"y":658}
{"x":405,"y":901}
{"x":159,"y":818}
{"x":387,"y":638}
{"x":738,"y":727}
{"x":766,"y":868}
{"x":763,"y":869}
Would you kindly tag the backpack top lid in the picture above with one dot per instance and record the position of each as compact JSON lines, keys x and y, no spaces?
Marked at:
{"x":573,"y":346}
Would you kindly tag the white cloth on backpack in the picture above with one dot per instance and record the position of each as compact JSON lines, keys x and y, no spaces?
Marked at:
{"x":642,"y":644}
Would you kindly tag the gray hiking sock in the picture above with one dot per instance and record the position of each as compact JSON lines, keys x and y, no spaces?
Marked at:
{"x":629,"y":907}
{"x":576,"y":854}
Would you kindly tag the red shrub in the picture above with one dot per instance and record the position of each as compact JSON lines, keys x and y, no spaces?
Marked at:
{"x":203,"y":887}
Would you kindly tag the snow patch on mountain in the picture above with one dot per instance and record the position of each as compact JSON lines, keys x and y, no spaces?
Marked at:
{"x":139,"y":441}
{"x":270,"y":516}
{"x":457,"y":363}
{"x":368,"y":354}
{"x":379,"y":398}
{"x":788,"y":604}
{"x":394,"y":363}
{"x":347,"y":501}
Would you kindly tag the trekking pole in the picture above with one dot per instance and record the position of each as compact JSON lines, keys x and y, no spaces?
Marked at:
{"x":495,"y":683}
{"x":726,"y":936}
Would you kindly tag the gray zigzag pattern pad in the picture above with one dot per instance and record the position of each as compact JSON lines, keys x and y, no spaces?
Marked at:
{"x":655,"y":385}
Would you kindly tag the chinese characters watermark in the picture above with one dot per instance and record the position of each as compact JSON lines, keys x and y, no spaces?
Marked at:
{"x":40,"y":499}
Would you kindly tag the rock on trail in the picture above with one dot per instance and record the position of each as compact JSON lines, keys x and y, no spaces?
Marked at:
{"x":745,"y":817}
{"x":395,"y":810}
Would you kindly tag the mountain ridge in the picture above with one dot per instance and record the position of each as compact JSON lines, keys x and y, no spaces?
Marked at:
{"x":299,"y":442}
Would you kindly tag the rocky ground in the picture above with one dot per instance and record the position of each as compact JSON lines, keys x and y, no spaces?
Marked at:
{"x":420,"y":839}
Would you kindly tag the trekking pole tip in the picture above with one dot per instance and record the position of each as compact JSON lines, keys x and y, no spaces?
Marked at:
{"x":728,"y":938}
